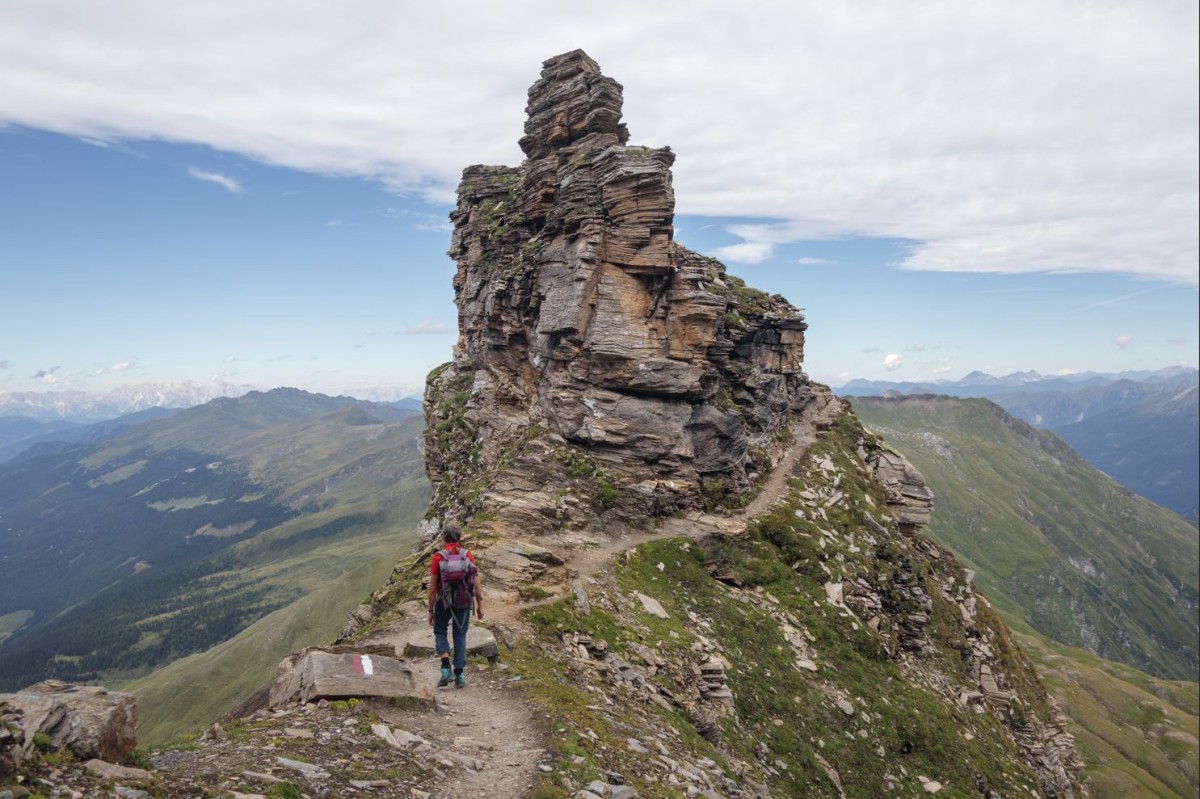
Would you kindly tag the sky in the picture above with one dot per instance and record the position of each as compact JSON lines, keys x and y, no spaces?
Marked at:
{"x":257,"y":191}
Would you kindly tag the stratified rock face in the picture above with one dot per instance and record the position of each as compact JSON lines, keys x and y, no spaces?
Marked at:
{"x":584,"y":328}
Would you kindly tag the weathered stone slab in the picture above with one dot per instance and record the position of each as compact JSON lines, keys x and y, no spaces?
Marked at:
{"x":111,"y":771}
{"x":480,"y":641}
{"x":319,"y":674}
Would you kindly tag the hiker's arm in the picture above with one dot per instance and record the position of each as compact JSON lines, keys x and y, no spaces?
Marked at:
{"x":478,"y":595}
{"x":431,"y":597}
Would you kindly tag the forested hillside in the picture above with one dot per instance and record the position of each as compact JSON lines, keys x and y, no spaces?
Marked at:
{"x":124,"y":556}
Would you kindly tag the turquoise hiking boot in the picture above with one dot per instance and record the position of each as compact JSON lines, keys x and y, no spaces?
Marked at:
{"x":459,"y":681}
{"x":446,"y":679}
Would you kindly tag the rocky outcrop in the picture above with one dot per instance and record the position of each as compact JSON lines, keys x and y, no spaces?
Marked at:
{"x":89,"y":721}
{"x":600,"y":365}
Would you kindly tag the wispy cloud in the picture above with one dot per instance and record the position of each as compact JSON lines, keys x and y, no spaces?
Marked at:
{"x":421,"y":221}
{"x":1123,"y":341}
{"x":893,"y":362}
{"x":121,"y":366}
{"x":224,"y":181}
{"x":809,"y":261}
{"x":277,"y":359}
{"x":49,"y":376}
{"x":5,"y":365}
{"x":1124,"y":297}
{"x":425,"y":329}
{"x":915,"y":348}
{"x":869,"y":350}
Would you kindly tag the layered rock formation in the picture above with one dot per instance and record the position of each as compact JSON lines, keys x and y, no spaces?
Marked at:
{"x":582,"y":323}
{"x":605,"y":374}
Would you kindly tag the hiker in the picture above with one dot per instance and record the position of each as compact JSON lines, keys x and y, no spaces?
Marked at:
{"x":453,"y":587}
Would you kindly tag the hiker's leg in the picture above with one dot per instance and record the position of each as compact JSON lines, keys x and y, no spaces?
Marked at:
{"x":441,"y":622}
{"x":462,"y":619}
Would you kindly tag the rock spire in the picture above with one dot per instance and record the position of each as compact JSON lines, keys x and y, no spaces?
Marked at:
{"x":589,"y":336}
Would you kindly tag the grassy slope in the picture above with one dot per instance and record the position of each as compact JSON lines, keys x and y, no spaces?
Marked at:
{"x":1055,"y":541}
{"x":190,"y":693}
{"x":905,"y":722}
{"x":1136,"y":734}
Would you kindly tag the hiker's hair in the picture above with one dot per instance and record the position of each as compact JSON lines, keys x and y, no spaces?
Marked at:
{"x":451,"y":532}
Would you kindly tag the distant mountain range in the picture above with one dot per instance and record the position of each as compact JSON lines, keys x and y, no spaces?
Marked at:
{"x":153,"y":540}
{"x":1140,"y":428}
{"x":29,"y":418}
{"x":83,"y":407}
{"x":1055,"y":541}
{"x":982,"y":384}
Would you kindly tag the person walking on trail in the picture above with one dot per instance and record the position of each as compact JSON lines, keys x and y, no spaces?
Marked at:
{"x":453,"y":589}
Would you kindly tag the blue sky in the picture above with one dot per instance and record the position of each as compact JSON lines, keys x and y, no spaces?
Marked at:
{"x":259,"y":195}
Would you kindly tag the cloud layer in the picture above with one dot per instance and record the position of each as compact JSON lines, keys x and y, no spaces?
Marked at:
{"x":1024,"y":136}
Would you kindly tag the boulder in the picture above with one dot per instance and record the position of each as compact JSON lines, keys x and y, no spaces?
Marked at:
{"x":88,"y":720}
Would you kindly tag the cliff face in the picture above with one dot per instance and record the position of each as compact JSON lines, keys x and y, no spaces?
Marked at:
{"x":785,"y":626}
{"x":583,"y":323}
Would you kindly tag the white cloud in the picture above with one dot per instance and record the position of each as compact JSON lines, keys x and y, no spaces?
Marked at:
{"x":809,"y":261}
{"x":1066,"y":372}
{"x":224,"y":181}
{"x":1029,"y":136}
{"x":748,"y":252}
{"x":892,"y":362}
{"x":425,"y":328}
{"x":941,"y":369}
{"x":1123,"y":341}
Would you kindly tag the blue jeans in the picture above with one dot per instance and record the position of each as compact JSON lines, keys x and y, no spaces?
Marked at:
{"x":443,"y":619}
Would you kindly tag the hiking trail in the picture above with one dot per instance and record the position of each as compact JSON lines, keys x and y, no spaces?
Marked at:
{"x":486,"y":734}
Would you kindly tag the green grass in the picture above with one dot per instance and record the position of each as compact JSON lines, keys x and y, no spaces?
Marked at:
{"x":1054,"y":541}
{"x":1137,"y":734}
{"x":900,"y":727}
{"x":11,"y":622}
{"x":183,"y":503}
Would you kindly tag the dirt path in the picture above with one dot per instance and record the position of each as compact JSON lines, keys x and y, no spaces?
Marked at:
{"x":486,"y":734}
{"x":587,"y":561}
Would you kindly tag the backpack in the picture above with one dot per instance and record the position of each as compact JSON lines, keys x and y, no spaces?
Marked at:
{"x":457,"y":574}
